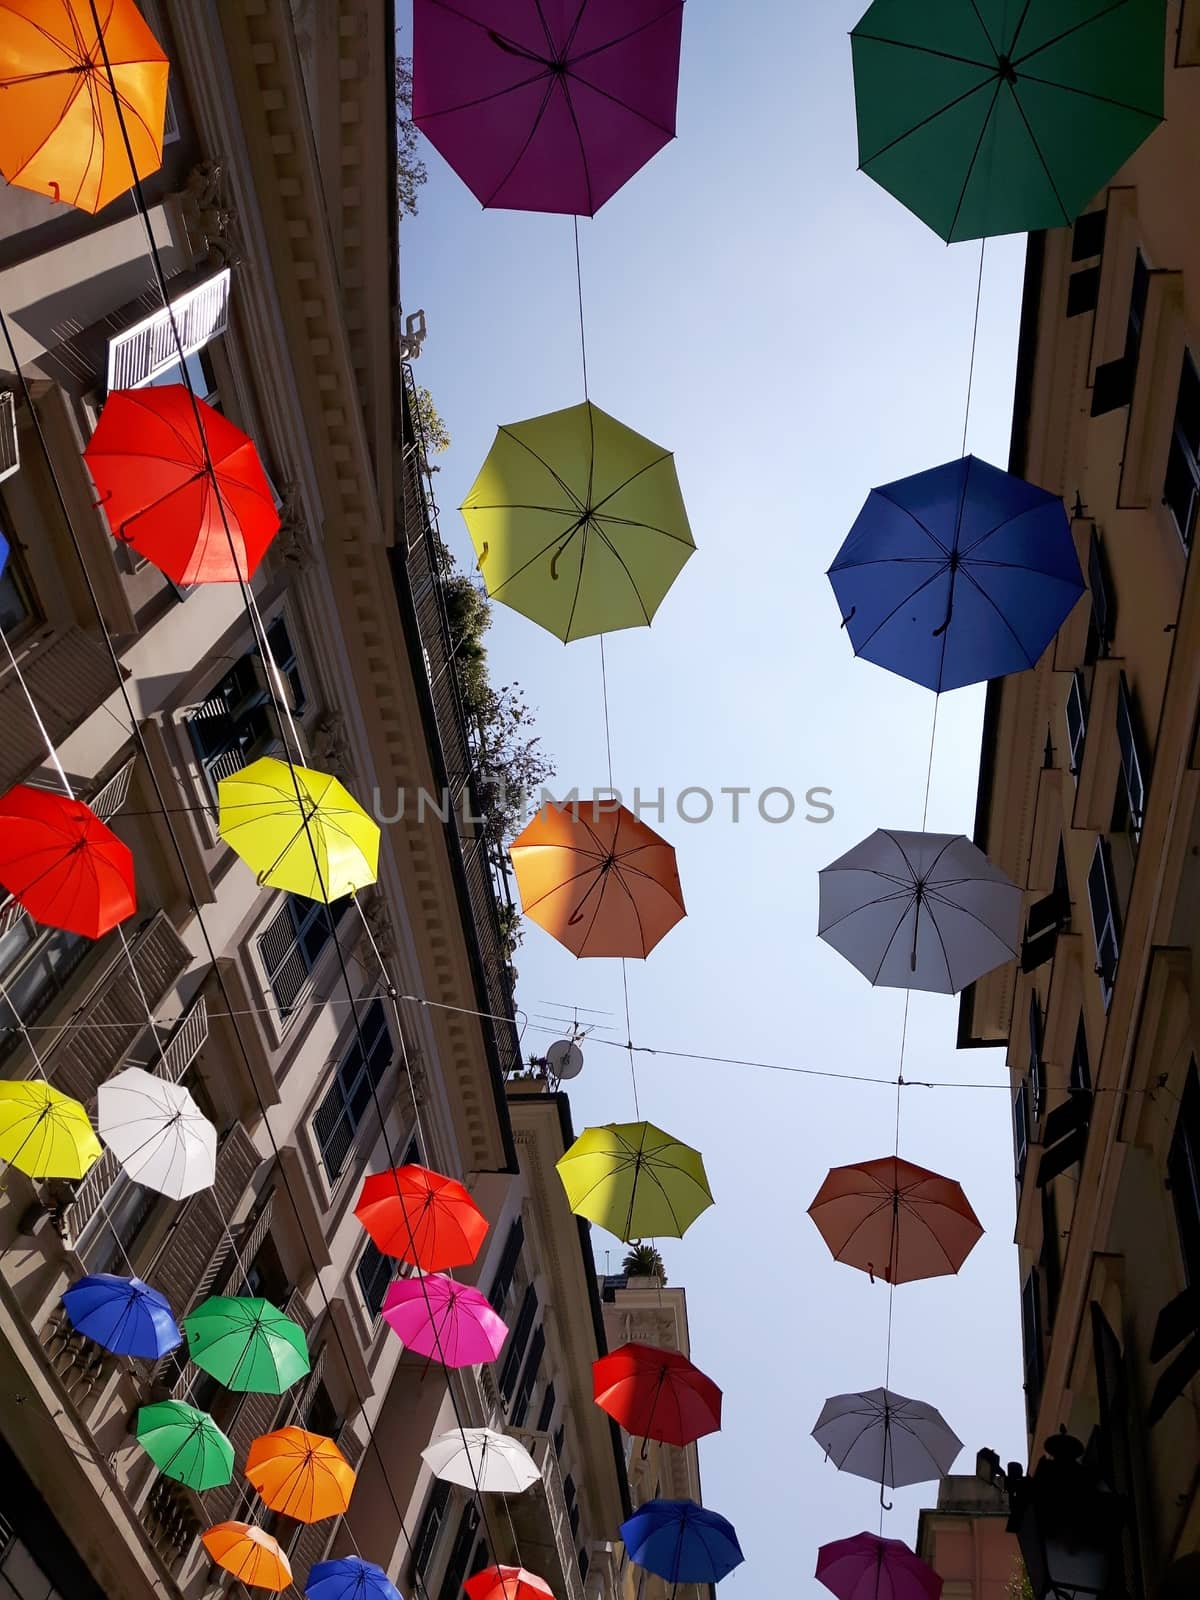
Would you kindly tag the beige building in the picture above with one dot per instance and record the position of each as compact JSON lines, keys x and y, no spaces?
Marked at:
{"x":274,"y":214}
{"x":965,"y":1539}
{"x":1089,"y":797}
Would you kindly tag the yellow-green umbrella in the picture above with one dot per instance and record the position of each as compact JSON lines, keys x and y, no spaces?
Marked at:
{"x":43,"y":1133}
{"x":319,"y":843}
{"x":578,"y":522}
{"x":635,"y":1180}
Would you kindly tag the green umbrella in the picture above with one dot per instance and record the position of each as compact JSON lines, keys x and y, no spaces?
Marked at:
{"x":185,"y":1444}
{"x":1003,"y":116}
{"x":578,"y":522}
{"x":246,"y":1344}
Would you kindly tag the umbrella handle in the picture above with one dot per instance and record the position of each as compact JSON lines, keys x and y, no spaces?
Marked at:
{"x":554,"y":563}
{"x":483,"y":554}
{"x":849,"y":617}
{"x":886,"y":1504}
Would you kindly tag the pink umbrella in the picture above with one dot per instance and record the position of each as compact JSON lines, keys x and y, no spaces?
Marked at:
{"x":444,"y":1320}
{"x":867,"y":1568}
{"x":546,"y":105}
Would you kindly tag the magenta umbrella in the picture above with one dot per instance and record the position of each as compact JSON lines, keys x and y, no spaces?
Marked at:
{"x":444,"y":1320}
{"x":867,"y":1568}
{"x":546,"y":105}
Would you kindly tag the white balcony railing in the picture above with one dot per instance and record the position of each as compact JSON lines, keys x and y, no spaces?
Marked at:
{"x":10,"y":449}
{"x":146,"y":350}
{"x":567,"y":1582}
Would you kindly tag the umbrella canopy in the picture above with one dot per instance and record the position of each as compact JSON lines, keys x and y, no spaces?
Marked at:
{"x":421,"y":1217}
{"x":597,"y":878}
{"x":886,"y":1438}
{"x":44,"y":1134}
{"x":124,"y":1315}
{"x":507,"y":1583}
{"x":681,"y":1542}
{"x":246,"y":1344}
{"x":957,"y":574}
{"x":446,"y":1321}
{"x":635,"y":1180}
{"x":300,"y":1474}
{"x":546,"y":107}
{"x":578,"y":522}
{"x":61,"y":133}
{"x":157,"y":1132}
{"x":656,"y":1394}
{"x":349,"y":1578}
{"x":277,"y":833}
{"x":148,"y":459}
{"x":998,"y":118}
{"x":919,"y":911}
{"x":869,"y":1568}
{"x":894,"y":1220}
{"x":250,"y":1554}
{"x":62,"y":864}
{"x":185,"y":1444}
{"x":479,"y":1458}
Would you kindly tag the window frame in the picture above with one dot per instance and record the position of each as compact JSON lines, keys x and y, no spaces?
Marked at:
{"x":1022,"y":1130}
{"x":1077,"y":700}
{"x":1183,"y":1172}
{"x":372,"y":1033}
{"x":1106,"y":925}
{"x":1133,"y":764}
{"x":236,"y":722}
{"x":302,"y":921}
{"x":1037,"y":1076}
{"x":1183,"y":455}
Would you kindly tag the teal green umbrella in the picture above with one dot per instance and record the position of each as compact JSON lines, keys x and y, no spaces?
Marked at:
{"x":1004,"y":116}
{"x":246,"y":1344}
{"x":185,"y":1444}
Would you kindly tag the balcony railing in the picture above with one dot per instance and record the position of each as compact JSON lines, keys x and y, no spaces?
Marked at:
{"x":541,"y":1515}
{"x":483,"y":861}
{"x":147,"y":349}
{"x":10,"y":448}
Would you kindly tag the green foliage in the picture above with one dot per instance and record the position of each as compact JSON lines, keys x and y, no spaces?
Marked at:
{"x":410,"y":169}
{"x":1019,"y":1586}
{"x":644,"y":1261}
{"x":430,"y":429}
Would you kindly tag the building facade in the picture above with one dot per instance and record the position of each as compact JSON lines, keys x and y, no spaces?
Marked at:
{"x":1088,"y":798}
{"x":965,"y":1539}
{"x":275,"y":221}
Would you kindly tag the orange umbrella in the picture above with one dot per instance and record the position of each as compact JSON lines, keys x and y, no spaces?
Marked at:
{"x":597,"y":878}
{"x":303,"y":1475}
{"x":422,"y":1217}
{"x":507,"y":1583}
{"x":60,"y":133}
{"x":895,"y":1220}
{"x":249,"y":1553}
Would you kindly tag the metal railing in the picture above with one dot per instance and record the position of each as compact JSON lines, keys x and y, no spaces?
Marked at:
{"x":147,"y":348}
{"x":484,"y":862}
{"x":10,"y":445}
{"x":541,"y":1448}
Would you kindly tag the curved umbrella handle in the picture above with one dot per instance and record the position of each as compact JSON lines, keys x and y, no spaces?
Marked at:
{"x":886,"y":1504}
{"x":482,"y":557}
{"x":849,"y":617}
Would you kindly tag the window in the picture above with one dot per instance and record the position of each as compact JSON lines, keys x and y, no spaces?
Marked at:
{"x":16,"y":605}
{"x":147,"y":349}
{"x":1064,"y":1137}
{"x":35,"y":964}
{"x":517,"y":1342}
{"x":292,"y":944}
{"x":1132,"y":763}
{"x":111,"y":1233}
{"x":529,"y":1377}
{"x":502,"y":1282}
{"x":460,"y":1554}
{"x":560,"y":1434}
{"x":1049,"y":1259}
{"x":1100,"y":628}
{"x":431,"y":1525}
{"x":374,"y":1272}
{"x":1115,"y":379}
{"x":345,"y":1104}
{"x":21,"y":1578}
{"x":1036,"y":1069}
{"x":1031,"y":1339}
{"x":1183,"y":1170}
{"x":1021,"y":1129}
{"x":584,"y":1563}
{"x":238,"y":723}
{"x":1048,"y":917}
{"x":1076,"y":722}
{"x":1104,"y":919}
{"x":1181,"y":489}
{"x":199,"y":373}
{"x":1087,"y":239}
{"x":1081,"y":1070}
{"x":547,"y":1412}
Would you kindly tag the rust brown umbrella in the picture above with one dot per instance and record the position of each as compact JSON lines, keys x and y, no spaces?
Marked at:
{"x":894,"y":1220}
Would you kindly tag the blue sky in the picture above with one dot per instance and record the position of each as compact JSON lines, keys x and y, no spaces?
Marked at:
{"x":763,"y":309}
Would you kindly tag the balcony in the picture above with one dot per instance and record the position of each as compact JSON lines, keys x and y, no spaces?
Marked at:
{"x":543,"y":1528}
{"x":68,"y":674}
{"x":485,"y":886}
{"x":10,"y":449}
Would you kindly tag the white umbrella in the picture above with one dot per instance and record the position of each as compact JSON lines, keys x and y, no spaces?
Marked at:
{"x":479,"y":1457}
{"x":157,"y":1132}
{"x":919,"y":911}
{"x":886,"y":1438}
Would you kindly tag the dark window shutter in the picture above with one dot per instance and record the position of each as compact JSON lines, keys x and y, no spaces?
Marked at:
{"x":1087,"y":238}
{"x":1021,"y":1129}
{"x":1133,"y":764}
{"x":1115,"y":1448}
{"x":1050,"y":1259}
{"x":1076,"y":721}
{"x":1114,"y":385}
{"x":1031,"y":1336}
{"x":1183,"y":1170}
{"x":1103,"y":610}
{"x":584,"y":1563}
{"x":1104,"y":918}
{"x":1081,"y":1069}
{"x":1083,"y":290}
{"x":502,"y":1282}
{"x":1065,"y":1136}
{"x":460,"y":1554}
{"x":431,"y":1522}
{"x":1178,"y":1324}
{"x":1036,"y":1081}
{"x":547,"y":1411}
{"x":533,"y":1362}
{"x":517,"y":1342}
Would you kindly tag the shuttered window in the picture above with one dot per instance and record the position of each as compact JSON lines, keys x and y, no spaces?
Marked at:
{"x":1076,"y":722}
{"x":431,"y":1525}
{"x":1181,"y":490}
{"x":374,"y":1272}
{"x":518,"y":1339}
{"x":529,"y":1377}
{"x":1132,"y":760}
{"x":1021,"y":1129}
{"x":348,"y":1098}
{"x":502,"y":1282}
{"x":238,"y":723}
{"x":460,"y":1554}
{"x":1037,"y":1085}
{"x":1184,"y":1170}
{"x":292,"y":943}
{"x":1105,"y":925}
{"x":1032,"y":1344}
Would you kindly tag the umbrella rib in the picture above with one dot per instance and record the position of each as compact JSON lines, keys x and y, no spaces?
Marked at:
{"x":484,"y":99}
{"x":925,"y":121}
{"x":965,"y":911}
{"x":529,"y":138}
{"x":962,"y":195}
{"x":892,"y":939}
{"x":1038,"y":151}
{"x":899,"y":606}
{"x":587,"y":183}
{"x":647,"y":527}
{"x":984,"y":28}
{"x":975,"y":584}
{"x":1090,"y":94}
{"x":578,"y":578}
{"x":912,"y":515}
{"x":561,"y":482}
{"x":1066,"y":33}
{"x":620,"y":559}
{"x":667,"y":455}
{"x":918,"y":1217}
{"x":637,"y":915}
{"x":925,"y":50}
{"x":585,"y":55}
{"x":1012,"y":43}
{"x":617,"y":101}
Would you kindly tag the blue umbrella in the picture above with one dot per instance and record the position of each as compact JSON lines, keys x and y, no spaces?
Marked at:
{"x":349,"y":1579}
{"x":3,"y":554}
{"x":124,"y":1315}
{"x":681,"y":1542}
{"x":956,"y":575}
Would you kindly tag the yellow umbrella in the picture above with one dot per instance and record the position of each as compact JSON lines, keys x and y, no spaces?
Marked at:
{"x":319,"y":842}
{"x":43,"y":1133}
{"x":635,"y":1180}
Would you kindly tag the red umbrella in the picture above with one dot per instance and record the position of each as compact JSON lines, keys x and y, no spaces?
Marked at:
{"x":656,"y":1394}
{"x":60,"y":862}
{"x":148,"y":461}
{"x":421,"y":1217}
{"x":507,"y":1583}
{"x":895,"y":1220}
{"x":867,"y":1568}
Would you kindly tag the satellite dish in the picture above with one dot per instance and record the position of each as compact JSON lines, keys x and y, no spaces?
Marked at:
{"x":564,"y":1059}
